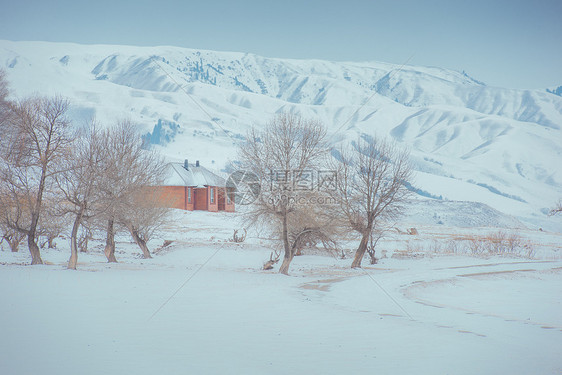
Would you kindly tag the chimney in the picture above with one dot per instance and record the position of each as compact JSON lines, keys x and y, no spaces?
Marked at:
{"x":197,"y":163}
{"x":186,"y":164}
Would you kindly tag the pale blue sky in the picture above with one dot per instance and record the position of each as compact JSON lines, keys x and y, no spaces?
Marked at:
{"x":503,"y":43}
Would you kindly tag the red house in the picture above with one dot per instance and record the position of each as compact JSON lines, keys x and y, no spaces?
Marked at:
{"x":193,"y":187}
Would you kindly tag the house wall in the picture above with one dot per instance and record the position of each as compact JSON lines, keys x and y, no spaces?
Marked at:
{"x":213,"y":203}
{"x":178,"y":197}
{"x":189,"y":205}
{"x":229,"y":207}
{"x":224,"y":203}
{"x":201,"y":199}
{"x":172,"y":196}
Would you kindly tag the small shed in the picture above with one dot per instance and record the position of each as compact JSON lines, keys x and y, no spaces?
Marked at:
{"x":189,"y":186}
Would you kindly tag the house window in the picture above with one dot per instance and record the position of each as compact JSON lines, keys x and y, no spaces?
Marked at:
{"x":188,"y":195}
{"x":212,"y":195}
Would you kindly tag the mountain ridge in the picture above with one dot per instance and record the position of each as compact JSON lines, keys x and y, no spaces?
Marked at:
{"x":491,"y":143}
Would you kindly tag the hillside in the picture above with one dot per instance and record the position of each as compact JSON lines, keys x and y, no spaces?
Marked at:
{"x":469,"y":141}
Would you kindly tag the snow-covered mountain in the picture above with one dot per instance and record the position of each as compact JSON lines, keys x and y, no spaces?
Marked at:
{"x":469,"y":141}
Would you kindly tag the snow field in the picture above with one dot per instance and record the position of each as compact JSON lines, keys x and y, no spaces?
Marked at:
{"x":410,"y":313}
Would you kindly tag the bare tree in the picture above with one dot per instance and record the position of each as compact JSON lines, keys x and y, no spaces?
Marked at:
{"x":130,"y":173}
{"x":85,"y":236}
{"x":4,"y":91}
{"x":13,"y":212}
{"x":78,"y":183}
{"x":33,"y":138}
{"x":376,"y":235}
{"x":53,"y":223}
{"x":283,"y":154}
{"x":144,"y":214}
{"x":314,"y":225}
{"x":557,"y":209}
{"x":370,"y":187}
{"x":12,"y":237}
{"x":9,"y":234}
{"x":4,"y":87}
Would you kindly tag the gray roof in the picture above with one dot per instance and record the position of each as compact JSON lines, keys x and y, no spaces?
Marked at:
{"x":177,"y":175}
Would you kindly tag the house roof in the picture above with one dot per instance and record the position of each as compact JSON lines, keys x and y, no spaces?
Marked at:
{"x":177,"y":175}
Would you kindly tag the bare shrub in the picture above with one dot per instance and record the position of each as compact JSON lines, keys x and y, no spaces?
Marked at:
{"x":529,"y":249}
{"x":376,"y":236}
{"x":476,"y":245}
{"x":499,"y":243}
{"x":436,"y":246}
{"x":414,"y":247}
{"x":454,"y":247}
{"x":556,"y":209}
{"x":312,"y":227}
{"x":144,"y":216}
{"x":272,"y":261}
{"x":238,"y":238}
{"x":51,"y":226}
{"x":84,"y":238}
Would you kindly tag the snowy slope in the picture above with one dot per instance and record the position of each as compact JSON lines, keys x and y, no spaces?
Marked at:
{"x":469,"y":142}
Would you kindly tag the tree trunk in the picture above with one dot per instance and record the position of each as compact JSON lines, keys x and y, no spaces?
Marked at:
{"x":73,"y":242}
{"x":83,"y":242}
{"x":84,"y":245}
{"x":284,"y":269}
{"x":34,"y":250}
{"x":51,"y":243}
{"x":110,"y":243}
{"x":14,"y":241}
{"x":288,"y":256}
{"x":14,"y":244}
{"x":360,"y":253}
{"x":139,"y":241}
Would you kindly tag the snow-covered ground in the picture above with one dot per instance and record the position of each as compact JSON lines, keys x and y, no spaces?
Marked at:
{"x":203,"y":306}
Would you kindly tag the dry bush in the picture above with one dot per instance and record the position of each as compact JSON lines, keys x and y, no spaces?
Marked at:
{"x":238,"y":238}
{"x":497,"y":243}
{"x":436,"y":247}
{"x":376,"y":235}
{"x":85,"y":236}
{"x":454,"y":247}
{"x":504,"y":243}
{"x":556,"y":210}
{"x":414,"y":247}
{"x":476,"y":245}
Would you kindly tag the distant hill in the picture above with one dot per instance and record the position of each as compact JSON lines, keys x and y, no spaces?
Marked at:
{"x":469,"y":141}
